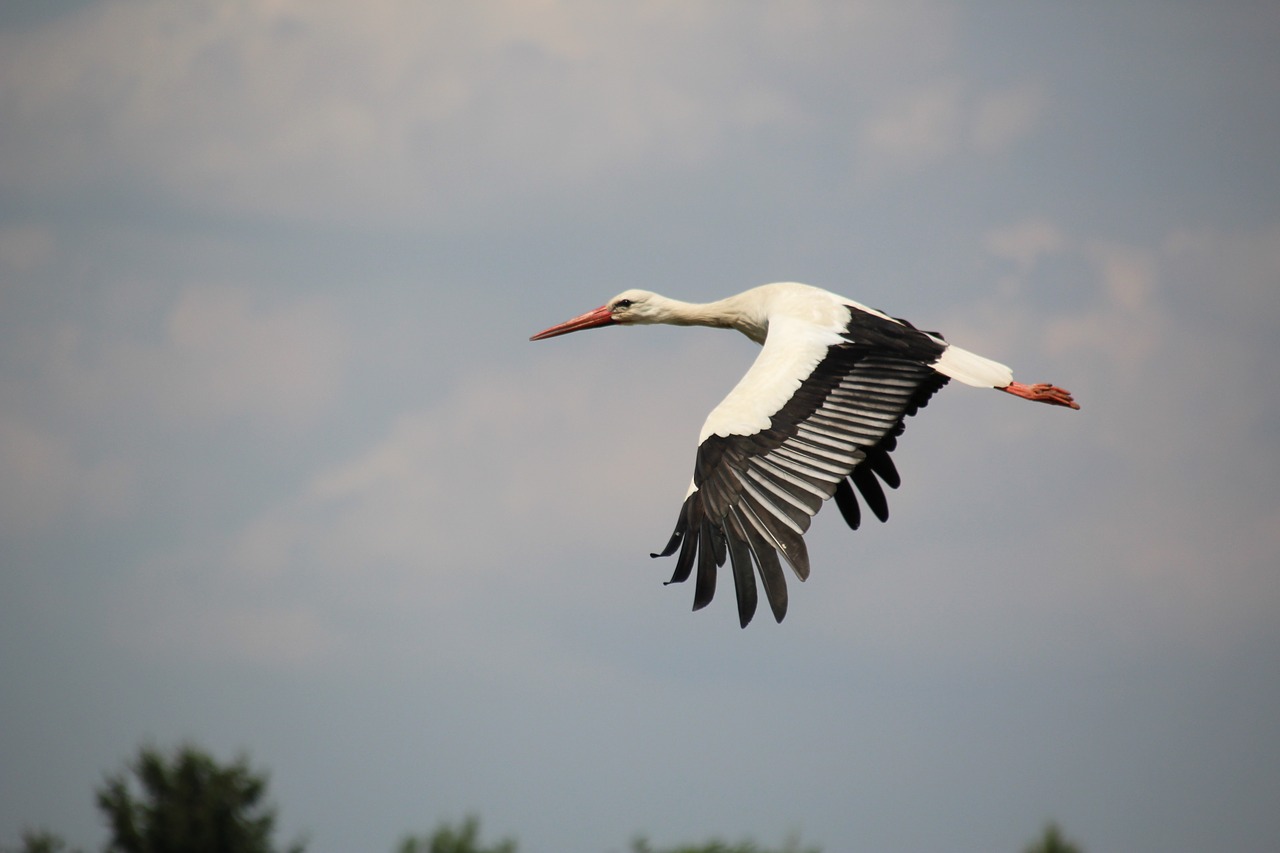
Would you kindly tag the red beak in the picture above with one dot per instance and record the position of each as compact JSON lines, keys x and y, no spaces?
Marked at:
{"x":601,"y":316}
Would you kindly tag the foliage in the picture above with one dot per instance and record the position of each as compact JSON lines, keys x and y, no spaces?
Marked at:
{"x":791,"y":845}
{"x":187,"y":803}
{"x":40,"y":841}
{"x":1052,"y":841}
{"x":447,"y":839}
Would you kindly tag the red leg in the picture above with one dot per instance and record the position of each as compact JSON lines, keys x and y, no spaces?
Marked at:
{"x":1043,"y":393}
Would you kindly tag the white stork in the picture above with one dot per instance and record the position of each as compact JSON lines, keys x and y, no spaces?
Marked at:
{"x":816,"y":415}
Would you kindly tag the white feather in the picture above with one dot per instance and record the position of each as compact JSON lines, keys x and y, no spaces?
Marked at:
{"x":790,"y":353}
{"x":972,"y":369}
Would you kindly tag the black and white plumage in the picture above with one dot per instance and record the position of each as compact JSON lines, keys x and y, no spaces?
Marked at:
{"x":815,"y":417}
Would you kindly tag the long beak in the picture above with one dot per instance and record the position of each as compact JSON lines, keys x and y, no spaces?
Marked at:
{"x":601,"y":316}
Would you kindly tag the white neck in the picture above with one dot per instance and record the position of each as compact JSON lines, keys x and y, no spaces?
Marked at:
{"x":728,"y":313}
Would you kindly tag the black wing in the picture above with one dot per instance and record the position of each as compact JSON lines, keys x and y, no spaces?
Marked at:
{"x":755,"y":494}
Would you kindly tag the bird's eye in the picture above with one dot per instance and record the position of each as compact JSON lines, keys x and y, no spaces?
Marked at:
{"x":622,"y":305}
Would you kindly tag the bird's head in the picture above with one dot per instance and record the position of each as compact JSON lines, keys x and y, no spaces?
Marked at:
{"x":629,"y":306}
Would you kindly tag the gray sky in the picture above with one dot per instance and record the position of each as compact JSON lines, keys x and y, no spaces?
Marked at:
{"x":280,"y":471}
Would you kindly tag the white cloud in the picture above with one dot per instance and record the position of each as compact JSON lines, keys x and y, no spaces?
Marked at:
{"x":402,"y":110}
{"x":37,"y":473}
{"x":368,"y":517}
{"x":1119,"y":315}
{"x":83,"y":398}
{"x":183,"y":606}
{"x":921,"y":127}
{"x":492,"y":493}
{"x":517,"y":462}
{"x":1231,"y":276}
{"x":1127,"y":325}
{"x":1004,"y":117}
{"x":1195,"y":302}
{"x":235,"y":357}
{"x":1169,"y":348}
{"x":470,"y":499}
{"x":1161,"y":488}
{"x":42,"y":481}
{"x":916,"y":130}
{"x":1024,"y":244}
{"x":221,"y":354}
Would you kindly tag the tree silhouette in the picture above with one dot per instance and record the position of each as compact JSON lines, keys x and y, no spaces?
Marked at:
{"x":187,"y":803}
{"x":791,"y":845}
{"x":446,"y":839}
{"x":40,"y":841}
{"x":1052,"y":841}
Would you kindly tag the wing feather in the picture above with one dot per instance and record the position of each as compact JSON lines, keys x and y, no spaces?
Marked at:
{"x":766,"y":559}
{"x":708,"y":561}
{"x":760,"y":477}
{"x":740,"y":560}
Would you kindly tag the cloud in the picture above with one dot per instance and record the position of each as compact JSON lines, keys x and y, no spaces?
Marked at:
{"x":397,"y":111}
{"x":184,"y":606}
{"x":1229,"y":276}
{"x":497,"y":491}
{"x":1160,"y":492}
{"x":1026,"y":242}
{"x":1170,"y":342}
{"x":1195,"y":303}
{"x":518,"y":478}
{"x":491,"y":453}
{"x":235,"y":357}
{"x":221,"y":353}
{"x":236,"y":241}
{"x":42,"y":480}
{"x":1004,"y":117}
{"x":38,"y":469}
{"x":918,"y":128}
{"x":1126,"y":325}
{"x":1112,"y":293}
{"x":88,"y":398}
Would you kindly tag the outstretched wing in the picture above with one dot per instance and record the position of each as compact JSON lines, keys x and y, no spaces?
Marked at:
{"x":838,"y":405}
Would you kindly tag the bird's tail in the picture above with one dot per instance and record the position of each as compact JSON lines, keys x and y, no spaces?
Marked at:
{"x":972,"y":369}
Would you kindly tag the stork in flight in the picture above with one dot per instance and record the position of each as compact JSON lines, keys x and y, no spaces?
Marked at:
{"x":816,"y":416}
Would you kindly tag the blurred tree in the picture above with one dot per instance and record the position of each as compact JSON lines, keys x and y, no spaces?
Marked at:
{"x":40,"y":841}
{"x":446,"y":839}
{"x":791,"y":845}
{"x":1052,"y":841}
{"x":187,"y":803}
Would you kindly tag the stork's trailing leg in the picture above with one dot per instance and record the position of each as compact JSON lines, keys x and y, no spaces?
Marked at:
{"x":1042,"y":393}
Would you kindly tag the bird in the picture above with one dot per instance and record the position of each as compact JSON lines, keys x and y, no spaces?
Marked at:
{"x":816,"y":416}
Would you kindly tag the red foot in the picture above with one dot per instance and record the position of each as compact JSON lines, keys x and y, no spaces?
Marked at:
{"x":1043,"y":393}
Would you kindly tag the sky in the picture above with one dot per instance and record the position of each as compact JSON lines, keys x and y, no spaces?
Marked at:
{"x":281,"y":473}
